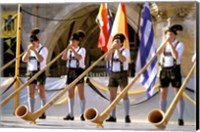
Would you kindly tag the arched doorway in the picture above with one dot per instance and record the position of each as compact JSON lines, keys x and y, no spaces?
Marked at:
{"x":58,"y":40}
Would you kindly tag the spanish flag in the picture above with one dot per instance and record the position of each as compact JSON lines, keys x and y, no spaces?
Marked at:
{"x":120,"y":26}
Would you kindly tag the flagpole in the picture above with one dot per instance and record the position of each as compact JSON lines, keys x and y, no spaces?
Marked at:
{"x":17,"y":63}
{"x":138,"y":27}
{"x":140,"y":12}
{"x":136,"y":38}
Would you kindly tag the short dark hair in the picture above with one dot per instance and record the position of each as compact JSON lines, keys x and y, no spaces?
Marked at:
{"x":119,"y":36}
{"x":174,"y":29}
{"x":33,"y":38}
{"x":75,"y":36}
{"x":81,"y":34}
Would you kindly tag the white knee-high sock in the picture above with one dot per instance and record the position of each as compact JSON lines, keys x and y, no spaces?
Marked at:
{"x":82,"y":105}
{"x":163,"y":106}
{"x":31,"y":104}
{"x":71,"y":107}
{"x":126,"y":106}
{"x":43,"y":101}
{"x":114,"y":110}
{"x":181,"y":105}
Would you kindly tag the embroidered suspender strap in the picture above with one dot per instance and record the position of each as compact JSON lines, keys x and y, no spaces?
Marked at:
{"x":77,"y":61}
{"x":73,"y":58}
{"x":121,"y":64}
{"x":38,"y":63}
{"x":169,"y":54}
{"x":112,"y":59}
{"x":70,"y":58}
{"x":175,"y":47}
{"x":34,"y":58}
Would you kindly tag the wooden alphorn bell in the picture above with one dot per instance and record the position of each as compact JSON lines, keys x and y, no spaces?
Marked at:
{"x":160,"y":119}
{"x":91,"y":114}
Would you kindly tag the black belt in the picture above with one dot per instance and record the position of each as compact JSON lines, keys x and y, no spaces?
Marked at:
{"x":116,"y":60}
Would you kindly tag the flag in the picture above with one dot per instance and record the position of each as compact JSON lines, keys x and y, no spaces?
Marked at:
{"x":105,"y":21}
{"x":9,"y":50}
{"x":119,"y":26}
{"x":8,"y":20}
{"x":147,"y":49}
{"x":110,"y":21}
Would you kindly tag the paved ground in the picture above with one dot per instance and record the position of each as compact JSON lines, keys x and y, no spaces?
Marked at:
{"x":139,"y":109}
{"x":58,"y":123}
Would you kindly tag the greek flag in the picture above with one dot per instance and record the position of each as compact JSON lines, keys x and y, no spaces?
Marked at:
{"x":147,"y":49}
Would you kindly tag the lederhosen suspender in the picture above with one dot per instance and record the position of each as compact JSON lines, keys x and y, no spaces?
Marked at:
{"x":34,"y":58}
{"x":169,"y":54}
{"x":117,"y":60}
{"x":73,"y":58}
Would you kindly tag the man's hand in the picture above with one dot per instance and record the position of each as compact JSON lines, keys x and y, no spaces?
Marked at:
{"x":31,"y":47}
{"x":70,"y":46}
{"x":116,"y":45}
{"x":113,"y":47}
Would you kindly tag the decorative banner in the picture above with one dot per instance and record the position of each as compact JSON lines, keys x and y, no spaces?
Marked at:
{"x":8,"y":24}
{"x":8,"y":53}
{"x":9,"y":50}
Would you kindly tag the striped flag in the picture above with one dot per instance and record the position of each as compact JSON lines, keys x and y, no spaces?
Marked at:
{"x":110,"y":21}
{"x":147,"y":49}
{"x":120,"y":26}
{"x":105,"y":22}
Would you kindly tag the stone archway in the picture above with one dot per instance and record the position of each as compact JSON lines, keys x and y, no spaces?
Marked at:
{"x":54,"y":30}
{"x":58,"y":30}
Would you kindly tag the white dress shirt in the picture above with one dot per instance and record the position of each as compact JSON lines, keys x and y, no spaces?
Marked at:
{"x":116,"y":67}
{"x":169,"y":60}
{"x":73,"y":63}
{"x":33,"y":63}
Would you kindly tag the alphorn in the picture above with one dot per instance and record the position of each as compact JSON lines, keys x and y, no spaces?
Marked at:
{"x":23,"y":112}
{"x":91,"y":114}
{"x":160,"y":119}
{"x":10,"y":62}
{"x":7,"y":99}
